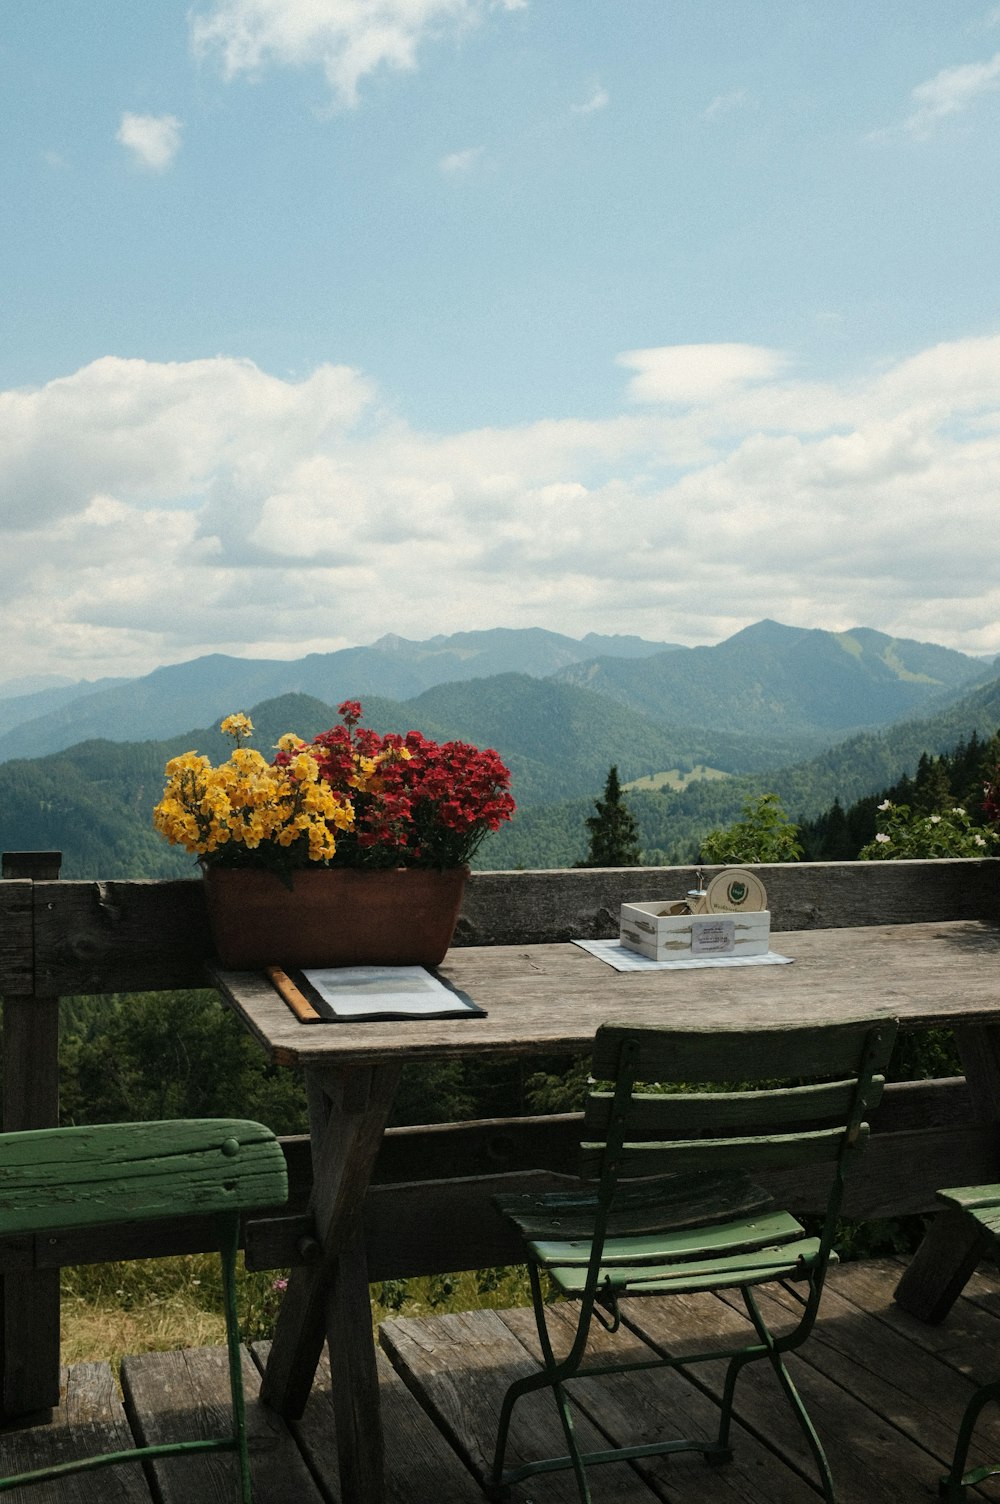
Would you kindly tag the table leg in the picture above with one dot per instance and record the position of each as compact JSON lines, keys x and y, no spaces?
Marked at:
{"x":329,"y":1298}
{"x":954,"y":1243}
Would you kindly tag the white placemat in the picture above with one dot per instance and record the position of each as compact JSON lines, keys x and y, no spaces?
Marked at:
{"x":622,"y":959}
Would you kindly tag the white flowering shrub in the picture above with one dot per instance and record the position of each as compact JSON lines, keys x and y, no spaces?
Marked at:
{"x":904,"y":832}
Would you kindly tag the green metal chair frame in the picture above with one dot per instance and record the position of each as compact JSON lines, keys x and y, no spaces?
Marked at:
{"x":980,"y":1203}
{"x":59,"y":1179}
{"x":700,"y":1223}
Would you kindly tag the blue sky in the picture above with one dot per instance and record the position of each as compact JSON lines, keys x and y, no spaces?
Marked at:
{"x":325,"y":318}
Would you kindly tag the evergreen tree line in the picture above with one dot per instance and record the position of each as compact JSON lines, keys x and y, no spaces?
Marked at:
{"x":940,"y":783}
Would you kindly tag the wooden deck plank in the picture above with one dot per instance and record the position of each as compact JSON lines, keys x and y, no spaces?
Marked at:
{"x":460,"y":1366}
{"x":967,"y":1340}
{"x":897,"y":1377}
{"x":872,"y":1461}
{"x":89,"y":1419}
{"x":885,"y":1391}
{"x":419,"y":1464}
{"x":184,"y":1396}
{"x":638,"y":1408}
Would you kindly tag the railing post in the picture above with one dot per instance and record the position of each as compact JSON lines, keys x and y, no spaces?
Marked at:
{"x":30,"y":1301}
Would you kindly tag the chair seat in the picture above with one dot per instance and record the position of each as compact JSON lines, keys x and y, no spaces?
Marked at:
{"x":661,"y":1204}
{"x":735,"y":1253}
{"x":982,"y":1202}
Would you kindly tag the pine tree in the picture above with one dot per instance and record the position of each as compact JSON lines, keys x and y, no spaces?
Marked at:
{"x":614,"y":834}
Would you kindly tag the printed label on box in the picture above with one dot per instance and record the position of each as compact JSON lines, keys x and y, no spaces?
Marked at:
{"x":713,"y":937}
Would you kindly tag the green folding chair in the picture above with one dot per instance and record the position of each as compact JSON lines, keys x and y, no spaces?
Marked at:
{"x":981,"y":1206}
{"x":701,"y":1222}
{"x":59,"y":1179}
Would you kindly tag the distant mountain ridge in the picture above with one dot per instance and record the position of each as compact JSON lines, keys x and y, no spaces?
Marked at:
{"x":794,"y":688}
{"x":180,"y":695}
{"x":770,"y":676}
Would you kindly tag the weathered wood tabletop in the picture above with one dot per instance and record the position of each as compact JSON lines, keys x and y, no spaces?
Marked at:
{"x":544,"y":999}
{"x":547,"y":998}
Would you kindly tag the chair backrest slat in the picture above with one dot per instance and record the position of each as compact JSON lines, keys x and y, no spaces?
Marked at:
{"x":683,"y":1115}
{"x":765,"y":1054}
{"x":635,"y":1132}
{"x":779,"y":1152}
{"x":111,"y":1172}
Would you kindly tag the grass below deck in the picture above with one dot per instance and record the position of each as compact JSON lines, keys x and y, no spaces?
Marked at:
{"x":158,"y":1305}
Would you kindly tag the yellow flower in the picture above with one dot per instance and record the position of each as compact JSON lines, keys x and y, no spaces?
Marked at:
{"x":237,"y":725}
{"x":250,"y":803}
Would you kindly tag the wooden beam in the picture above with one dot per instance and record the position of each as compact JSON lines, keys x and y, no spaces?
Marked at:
{"x":17,"y":953}
{"x":29,"y":1310}
{"x":153,"y":935}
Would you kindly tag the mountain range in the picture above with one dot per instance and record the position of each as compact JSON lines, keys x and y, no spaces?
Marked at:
{"x":793,"y":687}
{"x":811,"y":714}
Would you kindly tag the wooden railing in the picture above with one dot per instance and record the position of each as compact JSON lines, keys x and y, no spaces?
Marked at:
{"x":429,"y":1209}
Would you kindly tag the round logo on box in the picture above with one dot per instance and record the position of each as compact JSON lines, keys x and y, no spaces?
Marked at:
{"x":735,"y":891}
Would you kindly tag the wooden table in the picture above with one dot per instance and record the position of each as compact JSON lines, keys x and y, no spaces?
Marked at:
{"x":544,"y":999}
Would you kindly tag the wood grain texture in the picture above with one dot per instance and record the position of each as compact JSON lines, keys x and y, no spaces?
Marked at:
{"x":874,"y":1463}
{"x":641,"y":1408}
{"x":130,"y":936}
{"x":451,"y":1224}
{"x":184,"y":1396}
{"x":951,"y":1249}
{"x":911,"y":1392}
{"x":460,"y":1366}
{"x":551,"y":999}
{"x":29,"y":1323}
{"x":419,"y":1464}
{"x":87,"y":1176}
{"x":89,"y":1419}
{"x":514,"y":908}
{"x":140,"y":935}
{"x":347,"y":1114}
{"x":17,"y":960}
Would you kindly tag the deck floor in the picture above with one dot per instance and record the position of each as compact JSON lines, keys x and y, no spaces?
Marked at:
{"x":885,"y":1392}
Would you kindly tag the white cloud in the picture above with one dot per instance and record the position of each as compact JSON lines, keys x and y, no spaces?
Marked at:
{"x":949,"y":92}
{"x":153,"y":140}
{"x":347,"y":39}
{"x":697,"y":373}
{"x":598,"y":99}
{"x":152,"y":512}
{"x":456,"y":163}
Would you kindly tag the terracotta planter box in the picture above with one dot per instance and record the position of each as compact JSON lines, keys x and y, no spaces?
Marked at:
{"x":333,"y":916}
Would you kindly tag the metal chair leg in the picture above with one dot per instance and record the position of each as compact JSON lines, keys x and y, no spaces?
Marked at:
{"x":792,"y":1395}
{"x":550,"y":1377}
{"x":953,"y":1486}
{"x":228,"y":1246}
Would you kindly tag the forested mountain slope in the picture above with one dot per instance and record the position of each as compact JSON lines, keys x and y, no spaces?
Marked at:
{"x":671,"y":824}
{"x":793,"y":689}
{"x":171,"y":699}
{"x":771,"y":679}
{"x":94,"y":801}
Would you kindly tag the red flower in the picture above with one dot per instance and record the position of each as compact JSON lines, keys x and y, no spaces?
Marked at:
{"x":428,"y":804}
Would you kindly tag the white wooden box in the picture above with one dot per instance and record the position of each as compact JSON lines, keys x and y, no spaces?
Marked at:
{"x":646,"y":928}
